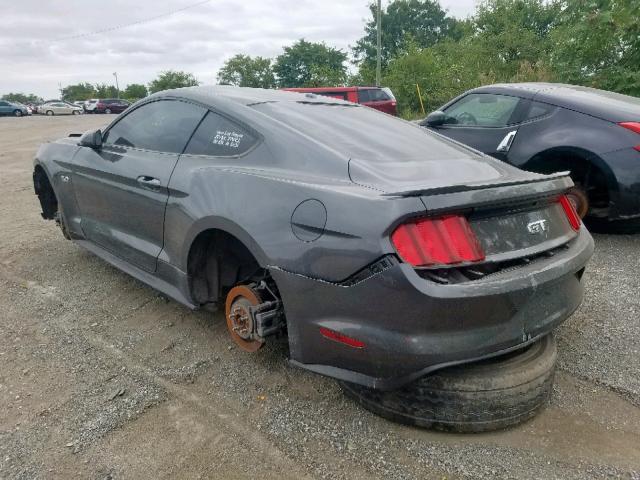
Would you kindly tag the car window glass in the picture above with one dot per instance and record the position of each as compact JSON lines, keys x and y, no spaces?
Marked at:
{"x":482,"y":109}
{"x":363,"y":96}
{"x":163,"y":126}
{"x":217,"y":136}
{"x":378,"y":95}
{"x":338,"y":95}
{"x":4,"y":104}
{"x":538,"y":109}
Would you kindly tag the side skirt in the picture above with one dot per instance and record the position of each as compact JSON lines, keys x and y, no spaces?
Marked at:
{"x":154,"y":281}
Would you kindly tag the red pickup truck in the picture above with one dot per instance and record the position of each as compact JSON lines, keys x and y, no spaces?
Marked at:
{"x":375,"y":97}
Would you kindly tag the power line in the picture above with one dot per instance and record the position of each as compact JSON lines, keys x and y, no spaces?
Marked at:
{"x":138,"y":22}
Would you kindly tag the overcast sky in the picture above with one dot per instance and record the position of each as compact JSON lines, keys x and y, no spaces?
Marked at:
{"x":37,"y":52}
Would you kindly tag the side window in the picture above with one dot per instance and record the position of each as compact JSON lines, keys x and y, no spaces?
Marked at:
{"x":4,"y":104}
{"x":364,"y":96}
{"x":338,"y":95}
{"x":162,"y":126}
{"x":537,"y":110}
{"x":216,"y":136}
{"x":483,"y":110}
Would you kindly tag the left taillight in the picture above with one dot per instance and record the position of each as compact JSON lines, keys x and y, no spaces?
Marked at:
{"x":570,"y":211}
{"x":443,"y":240}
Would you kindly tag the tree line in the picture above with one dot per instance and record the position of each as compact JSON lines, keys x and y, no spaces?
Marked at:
{"x":585,"y":42}
{"x":594,"y":43}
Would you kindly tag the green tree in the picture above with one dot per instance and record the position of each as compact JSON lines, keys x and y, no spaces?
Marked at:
{"x":134,"y":91}
{"x":79,"y":91}
{"x":22,"y":98}
{"x":104,"y":90}
{"x":511,"y":33}
{"x":172,"y":79}
{"x":422,"y":20}
{"x":308,"y":64}
{"x":246,"y":71}
{"x":597,"y":43}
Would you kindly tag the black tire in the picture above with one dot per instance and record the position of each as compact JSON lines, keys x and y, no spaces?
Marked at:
{"x":579,"y":199}
{"x":107,"y":110}
{"x":17,"y":113}
{"x":50,"y":113}
{"x":477,"y":397}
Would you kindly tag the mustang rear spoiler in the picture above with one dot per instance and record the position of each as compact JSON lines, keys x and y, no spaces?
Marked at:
{"x":472,"y":186}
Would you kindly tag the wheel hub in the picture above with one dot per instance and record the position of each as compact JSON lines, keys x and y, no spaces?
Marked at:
{"x":240,"y":320}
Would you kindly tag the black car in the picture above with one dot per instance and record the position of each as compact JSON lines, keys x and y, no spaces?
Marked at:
{"x":111,"y":105}
{"x":545,"y":127}
{"x":380,"y":251}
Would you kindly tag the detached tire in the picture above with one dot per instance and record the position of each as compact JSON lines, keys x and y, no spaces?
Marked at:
{"x":477,"y":397}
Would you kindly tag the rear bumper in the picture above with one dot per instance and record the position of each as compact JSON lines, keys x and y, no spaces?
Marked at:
{"x":412,"y":326}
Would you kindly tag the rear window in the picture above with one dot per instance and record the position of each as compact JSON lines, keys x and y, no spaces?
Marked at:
{"x":219,"y":137}
{"x":363,"y":133}
{"x":339,"y":95}
{"x":373,"y":95}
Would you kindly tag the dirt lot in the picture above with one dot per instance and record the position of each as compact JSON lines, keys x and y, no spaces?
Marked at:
{"x":101,"y":377}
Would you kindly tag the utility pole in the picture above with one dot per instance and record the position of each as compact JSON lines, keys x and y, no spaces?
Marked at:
{"x":379,"y":44}
{"x":115,"y":74}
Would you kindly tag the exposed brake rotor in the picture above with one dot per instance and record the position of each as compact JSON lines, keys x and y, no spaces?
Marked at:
{"x":240,"y":319}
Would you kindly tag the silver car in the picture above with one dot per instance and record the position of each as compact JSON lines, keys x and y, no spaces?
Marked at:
{"x":59,"y":108}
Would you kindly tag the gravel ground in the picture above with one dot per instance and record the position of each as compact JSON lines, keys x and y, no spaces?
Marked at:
{"x":102,"y":377}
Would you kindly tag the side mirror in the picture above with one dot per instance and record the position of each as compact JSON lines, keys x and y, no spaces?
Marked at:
{"x":435,"y":119}
{"x":91,"y":139}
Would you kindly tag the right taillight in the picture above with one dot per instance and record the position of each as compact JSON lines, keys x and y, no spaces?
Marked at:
{"x":572,"y":215}
{"x":437,"y":241}
{"x":633,"y":126}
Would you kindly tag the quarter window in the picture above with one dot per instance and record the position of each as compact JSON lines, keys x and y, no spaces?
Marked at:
{"x":216,"y":136}
{"x":538,"y":110}
{"x":483,"y":110}
{"x":162,"y":126}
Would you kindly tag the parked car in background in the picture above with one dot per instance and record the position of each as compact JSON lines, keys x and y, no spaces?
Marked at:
{"x":380,"y":251}
{"x":13,"y":109}
{"x":89,"y":105}
{"x":545,"y":127}
{"x":110,"y":105}
{"x":59,"y":108}
{"x":375,"y":97}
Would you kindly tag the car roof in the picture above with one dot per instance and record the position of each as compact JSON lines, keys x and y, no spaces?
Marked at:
{"x":213,"y":95}
{"x":330,"y":89}
{"x":610,"y":106}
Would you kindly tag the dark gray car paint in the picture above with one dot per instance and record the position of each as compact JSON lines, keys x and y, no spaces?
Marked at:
{"x":584,"y":120}
{"x":314,"y":212}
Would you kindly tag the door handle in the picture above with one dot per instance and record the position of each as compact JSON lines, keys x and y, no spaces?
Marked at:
{"x":506,"y":142}
{"x":146,"y":181}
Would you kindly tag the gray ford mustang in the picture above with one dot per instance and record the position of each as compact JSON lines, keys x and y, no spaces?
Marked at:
{"x":380,"y":250}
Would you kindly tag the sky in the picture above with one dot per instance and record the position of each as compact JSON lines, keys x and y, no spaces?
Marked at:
{"x":47,"y":44}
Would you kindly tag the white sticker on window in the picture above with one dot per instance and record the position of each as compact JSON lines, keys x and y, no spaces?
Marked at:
{"x":227,"y":138}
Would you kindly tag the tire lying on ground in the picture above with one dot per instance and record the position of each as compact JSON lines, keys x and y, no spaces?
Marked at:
{"x":477,"y":397}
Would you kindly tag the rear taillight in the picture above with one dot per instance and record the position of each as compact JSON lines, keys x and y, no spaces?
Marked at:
{"x":570,"y":211}
{"x":437,"y":241}
{"x":633,"y":126}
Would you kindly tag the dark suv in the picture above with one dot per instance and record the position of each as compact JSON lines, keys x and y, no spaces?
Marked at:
{"x":111,"y":105}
